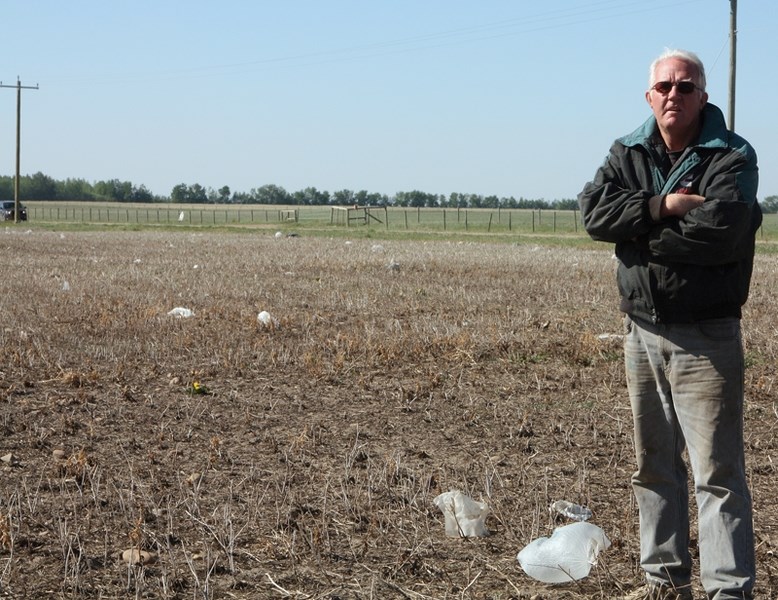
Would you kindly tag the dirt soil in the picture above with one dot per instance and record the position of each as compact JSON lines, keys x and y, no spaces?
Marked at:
{"x":299,"y":458}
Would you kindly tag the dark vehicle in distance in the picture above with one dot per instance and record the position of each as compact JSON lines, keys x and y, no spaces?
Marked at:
{"x":7,"y":211}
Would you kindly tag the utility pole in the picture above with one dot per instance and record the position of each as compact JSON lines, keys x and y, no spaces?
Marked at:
{"x":19,"y":87}
{"x":732,"y":60}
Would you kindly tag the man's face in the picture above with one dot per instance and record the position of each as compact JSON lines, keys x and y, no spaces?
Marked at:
{"x":676,"y":113}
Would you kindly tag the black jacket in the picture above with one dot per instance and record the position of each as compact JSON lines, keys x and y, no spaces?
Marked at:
{"x":678,"y":270}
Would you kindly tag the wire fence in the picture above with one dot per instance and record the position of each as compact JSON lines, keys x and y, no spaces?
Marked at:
{"x":392,"y":218}
{"x":387,"y":218}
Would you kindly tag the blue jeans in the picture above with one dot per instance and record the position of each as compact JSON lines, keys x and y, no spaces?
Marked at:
{"x":685,"y":385}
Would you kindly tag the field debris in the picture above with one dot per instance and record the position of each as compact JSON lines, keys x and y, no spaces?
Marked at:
{"x":568,"y":555}
{"x":318,"y":453}
{"x":133,"y":556}
{"x":10,"y":459}
{"x":267,"y":320}
{"x":181,"y":312}
{"x":605,"y":337}
{"x":464,"y":516}
{"x":576,"y":512}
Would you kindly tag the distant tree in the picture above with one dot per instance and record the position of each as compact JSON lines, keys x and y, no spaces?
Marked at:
{"x":770,"y":204}
{"x":509,"y":202}
{"x":197,"y":194}
{"x":179,"y":194}
{"x":273,"y":194}
{"x":342,"y":197}
{"x":242,"y":198}
{"x":491,"y":202}
{"x":310,"y":196}
{"x":75,"y":189}
{"x":6,"y":187}
{"x":376,"y":199}
{"x":141,"y":194}
{"x":114,"y":190}
{"x":38,"y":187}
{"x":565,"y":204}
{"x":456,"y":200}
{"x":415,"y":199}
{"x":224,"y":194}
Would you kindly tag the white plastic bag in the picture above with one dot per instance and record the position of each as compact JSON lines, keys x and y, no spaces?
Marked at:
{"x":568,"y":555}
{"x":465,"y":517}
{"x":267,"y":320}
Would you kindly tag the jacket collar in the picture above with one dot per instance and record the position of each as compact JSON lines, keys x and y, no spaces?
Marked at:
{"x":713,"y":134}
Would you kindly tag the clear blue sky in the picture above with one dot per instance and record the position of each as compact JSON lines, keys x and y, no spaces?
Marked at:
{"x":488,"y":97}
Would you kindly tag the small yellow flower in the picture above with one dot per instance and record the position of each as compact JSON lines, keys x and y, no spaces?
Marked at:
{"x":198,"y":388}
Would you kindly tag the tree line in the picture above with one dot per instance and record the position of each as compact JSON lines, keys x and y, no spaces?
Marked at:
{"x":42,"y":187}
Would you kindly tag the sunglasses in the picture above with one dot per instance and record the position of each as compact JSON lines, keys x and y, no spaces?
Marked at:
{"x":684,"y":87}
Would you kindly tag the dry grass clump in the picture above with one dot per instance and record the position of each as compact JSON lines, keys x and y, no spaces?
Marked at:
{"x":212,"y":456}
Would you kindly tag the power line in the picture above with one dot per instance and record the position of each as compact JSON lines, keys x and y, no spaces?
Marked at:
{"x":547,"y":20}
{"x":732,"y":60}
{"x":19,"y":87}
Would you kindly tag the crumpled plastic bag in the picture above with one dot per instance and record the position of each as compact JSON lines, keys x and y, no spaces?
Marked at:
{"x":464,"y":516}
{"x":576,"y":512}
{"x":267,"y":320}
{"x":568,"y":555}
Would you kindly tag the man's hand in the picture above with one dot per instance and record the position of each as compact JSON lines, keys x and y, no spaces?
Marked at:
{"x":677,"y":205}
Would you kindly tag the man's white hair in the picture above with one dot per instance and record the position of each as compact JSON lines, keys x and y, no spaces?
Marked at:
{"x":685,"y":55}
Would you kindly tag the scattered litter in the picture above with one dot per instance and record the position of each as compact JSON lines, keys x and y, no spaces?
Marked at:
{"x":572,"y":511}
{"x":137,"y":261}
{"x":279,"y":235}
{"x":609,"y":336}
{"x":377,"y":248}
{"x":133,"y":556}
{"x":393,"y":265}
{"x":181,"y":312}
{"x":65,"y":286}
{"x":10,"y":459}
{"x":267,"y":320}
{"x":181,"y":216}
{"x":568,"y":555}
{"x":465,"y":517}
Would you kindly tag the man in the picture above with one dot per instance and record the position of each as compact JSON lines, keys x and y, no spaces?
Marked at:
{"x":678,"y":198}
